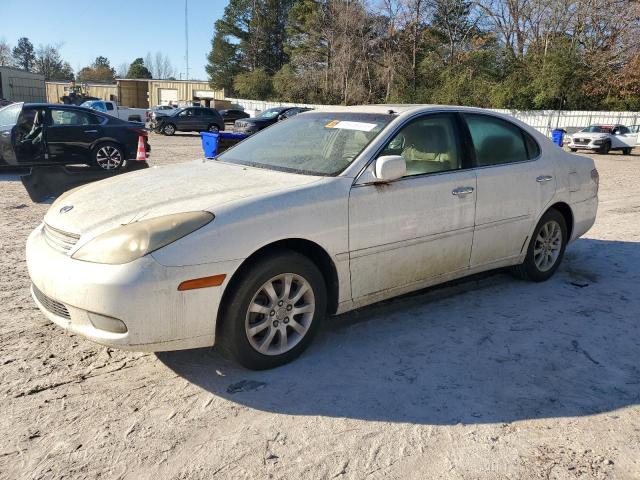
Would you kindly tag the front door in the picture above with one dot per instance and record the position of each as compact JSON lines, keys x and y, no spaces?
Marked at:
{"x":622,"y":137}
{"x":514,"y":186}
{"x":420,"y":226}
{"x":8,"y":119}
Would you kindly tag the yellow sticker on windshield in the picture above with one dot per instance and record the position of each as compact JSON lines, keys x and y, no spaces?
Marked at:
{"x":332,"y":124}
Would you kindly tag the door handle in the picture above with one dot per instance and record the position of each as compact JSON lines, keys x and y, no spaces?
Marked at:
{"x":544,"y":178}
{"x":91,"y":131}
{"x":462,"y":191}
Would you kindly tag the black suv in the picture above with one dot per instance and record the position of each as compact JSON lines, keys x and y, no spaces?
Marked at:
{"x":190,"y":119}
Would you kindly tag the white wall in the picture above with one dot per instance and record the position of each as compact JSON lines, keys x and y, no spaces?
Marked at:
{"x":542,"y":120}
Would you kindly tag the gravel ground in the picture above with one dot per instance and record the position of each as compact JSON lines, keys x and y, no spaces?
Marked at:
{"x":492,"y":378}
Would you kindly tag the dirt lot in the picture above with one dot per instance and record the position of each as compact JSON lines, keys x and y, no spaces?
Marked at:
{"x":493,"y":378}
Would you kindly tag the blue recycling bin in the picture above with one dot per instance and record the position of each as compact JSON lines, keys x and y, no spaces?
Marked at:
{"x":557,"y":137}
{"x":215,"y":143}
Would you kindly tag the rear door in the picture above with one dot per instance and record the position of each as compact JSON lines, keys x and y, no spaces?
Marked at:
{"x":70,"y":134}
{"x":514,"y":184}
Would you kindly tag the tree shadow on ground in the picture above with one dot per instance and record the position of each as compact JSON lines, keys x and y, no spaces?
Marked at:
{"x":486,"y":350}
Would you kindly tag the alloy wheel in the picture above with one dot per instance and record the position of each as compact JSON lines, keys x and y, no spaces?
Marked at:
{"x":547,"y":247}
{"x":280,"y":314}
{"x":109,"y":158}
{"x":169,"y":130}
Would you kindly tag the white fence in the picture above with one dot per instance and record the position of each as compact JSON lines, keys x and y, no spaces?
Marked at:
{"x":542,"y":120}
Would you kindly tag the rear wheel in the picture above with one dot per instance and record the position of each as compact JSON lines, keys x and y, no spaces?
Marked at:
{"x":169,"y":129}
{"x":574,"y":150}
{"x":546,"y":248}
{"x":626,"y":151}
{"x":274,"y":311}
{"x":108,"y":156}
{"x":213,"y":128}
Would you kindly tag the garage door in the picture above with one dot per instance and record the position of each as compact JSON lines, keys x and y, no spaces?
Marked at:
{"x":167,"y":96}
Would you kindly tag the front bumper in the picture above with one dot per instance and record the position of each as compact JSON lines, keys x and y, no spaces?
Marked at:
{"x":142,"y":294}
{"x":584,"y":146}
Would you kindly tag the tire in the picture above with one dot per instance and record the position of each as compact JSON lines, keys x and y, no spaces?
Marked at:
{"x":108,"y":156}
{"x":213,"y":128}
{"x":536,"y":267}
{"x":605,"y":148}
{"x":626,"y":151}
{"x":574,"y":150}
{"x":169,"y":129}
{"x":260,"y":348}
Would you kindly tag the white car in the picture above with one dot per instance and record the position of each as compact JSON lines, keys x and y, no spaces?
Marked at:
{"x":112,"y":108}
{"x":603,"y":139}
{"x":321,"y":214}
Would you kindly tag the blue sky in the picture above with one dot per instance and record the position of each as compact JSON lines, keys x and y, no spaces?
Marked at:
{"x":120,"y":30}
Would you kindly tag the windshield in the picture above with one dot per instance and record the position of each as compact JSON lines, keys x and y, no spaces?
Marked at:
{"x":319,"y":143}
{"x":9,"y":114}
{"x":270,"y":113}
{"x":598,"y":129}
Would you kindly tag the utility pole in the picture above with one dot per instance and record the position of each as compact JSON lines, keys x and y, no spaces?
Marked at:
{"x":186,"y":36}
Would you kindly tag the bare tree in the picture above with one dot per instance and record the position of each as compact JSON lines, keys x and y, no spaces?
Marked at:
{"x":5,"y":53}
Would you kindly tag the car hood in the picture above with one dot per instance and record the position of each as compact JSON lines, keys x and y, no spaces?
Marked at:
{"x":185,"y":187}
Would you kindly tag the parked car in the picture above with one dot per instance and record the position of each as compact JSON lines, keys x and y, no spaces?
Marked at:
{"x":268,"y":117}
{"x":112,"y":108}
{"x":603,"y":138}
{"x":190,"y":119}
{"x":321,"y":214}
{"x":231,"y":115}
{"x":51,"y":134}
{"x":161,"y":111}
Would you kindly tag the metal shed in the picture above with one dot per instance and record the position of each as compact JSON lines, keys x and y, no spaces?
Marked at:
{"x":21,"y":86}
{"x":162,"y":92}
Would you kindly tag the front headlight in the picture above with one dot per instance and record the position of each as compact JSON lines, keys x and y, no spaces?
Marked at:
{"x":132,"y":241}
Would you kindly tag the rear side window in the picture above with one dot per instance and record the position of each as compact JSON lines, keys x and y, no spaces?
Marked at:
{"x":497,"y":141}
{"x":72,"y":117}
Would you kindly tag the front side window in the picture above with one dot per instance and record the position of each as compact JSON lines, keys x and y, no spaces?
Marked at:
{"x":320,"y":143}
{"x":186,"y":113}
{"x":9,"y":114}
{"x":109,"y":106}
{"x":497,"y":141}
{"x":428,"y":145}
{"x":72,"y":117}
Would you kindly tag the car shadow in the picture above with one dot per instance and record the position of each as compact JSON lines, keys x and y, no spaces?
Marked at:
{"x":486,"y":350}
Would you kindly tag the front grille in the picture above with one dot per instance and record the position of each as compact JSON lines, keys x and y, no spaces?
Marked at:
{"x":62,"y":241}
{"x":581,"y":141}
{"x":51,"y":305}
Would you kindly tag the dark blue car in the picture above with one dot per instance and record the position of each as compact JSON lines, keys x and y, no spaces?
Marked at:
{"x":33,"y":134}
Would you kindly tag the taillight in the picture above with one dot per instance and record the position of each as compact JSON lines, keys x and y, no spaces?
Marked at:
{"x":139,"y":131}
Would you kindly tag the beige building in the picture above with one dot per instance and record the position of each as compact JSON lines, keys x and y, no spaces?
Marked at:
{"x":21,"y":86}
{"x":142,"y":93}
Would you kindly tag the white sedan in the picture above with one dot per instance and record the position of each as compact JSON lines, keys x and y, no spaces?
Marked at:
{"x":321,"y":214}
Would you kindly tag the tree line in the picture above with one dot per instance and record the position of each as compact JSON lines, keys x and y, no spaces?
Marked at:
{"x":47,"y":60}
{"x":520,"y":54}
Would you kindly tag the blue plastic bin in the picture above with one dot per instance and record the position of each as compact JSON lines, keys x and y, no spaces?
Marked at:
{"x":214,"y":143}
{"x":557,"y":136}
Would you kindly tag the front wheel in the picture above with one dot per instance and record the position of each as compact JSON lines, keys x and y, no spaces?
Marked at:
{"x":213,"y":129}
{"x":169,"y":129}
{"x":274,"y":311}
{"x":546,"y":248}
{"x":574,"y":150}
{"x":605,"y":148}
{"x":108,"y":156}
{"x":626,"y":151}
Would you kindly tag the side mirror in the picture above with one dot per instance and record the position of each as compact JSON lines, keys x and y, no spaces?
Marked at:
{"x":281,"y":117}
{"x":390,"y":167}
